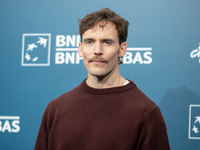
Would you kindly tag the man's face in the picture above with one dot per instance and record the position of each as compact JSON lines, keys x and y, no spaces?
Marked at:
{"x":100,"y":49}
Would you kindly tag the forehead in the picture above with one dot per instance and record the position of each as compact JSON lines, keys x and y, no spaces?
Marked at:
{"x":102,"y":29}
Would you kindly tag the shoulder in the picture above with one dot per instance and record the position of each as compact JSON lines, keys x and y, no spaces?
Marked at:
{"x":65,"y":99}
{"x":141,"y":103}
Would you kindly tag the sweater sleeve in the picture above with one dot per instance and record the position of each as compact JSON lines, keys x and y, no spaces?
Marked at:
{"x":155,"y":132}
{"x":43,"y":134}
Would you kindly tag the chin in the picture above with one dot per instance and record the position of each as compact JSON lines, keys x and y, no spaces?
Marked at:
{"x":98,"y":74}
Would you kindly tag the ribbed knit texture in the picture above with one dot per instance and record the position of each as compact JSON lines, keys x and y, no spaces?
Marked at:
{"x":119,"y":118}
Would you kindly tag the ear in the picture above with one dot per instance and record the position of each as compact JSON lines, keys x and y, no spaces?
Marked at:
{"x":122,"y":50}
{"x":79,"y":50}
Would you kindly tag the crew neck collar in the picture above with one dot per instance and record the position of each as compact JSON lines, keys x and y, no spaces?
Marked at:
{"x":118,"y":89}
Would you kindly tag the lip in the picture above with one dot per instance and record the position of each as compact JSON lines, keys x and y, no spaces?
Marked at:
{"x":98,"y":62}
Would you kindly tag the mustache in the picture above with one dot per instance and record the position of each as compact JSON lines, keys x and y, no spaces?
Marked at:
{"x":98,"y":58}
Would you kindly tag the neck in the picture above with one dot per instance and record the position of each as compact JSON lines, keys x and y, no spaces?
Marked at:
{"x":112,"y":79}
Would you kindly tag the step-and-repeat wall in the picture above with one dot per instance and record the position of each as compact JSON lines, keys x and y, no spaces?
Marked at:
{"x":39,"y":62}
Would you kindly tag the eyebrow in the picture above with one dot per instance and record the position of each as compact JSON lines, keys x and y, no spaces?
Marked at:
{"x":88,"y":39}
{"x":111,"y":40}
{"x":92,"y":39}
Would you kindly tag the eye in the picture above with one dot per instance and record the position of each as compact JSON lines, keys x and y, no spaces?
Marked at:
{"x":89,"y":42}
{"x":107,"y":42}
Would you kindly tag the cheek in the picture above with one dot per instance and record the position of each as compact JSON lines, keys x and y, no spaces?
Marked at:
{"x":114,"y":57}
{"x":86,"y":52}
{"x":85,"y":55}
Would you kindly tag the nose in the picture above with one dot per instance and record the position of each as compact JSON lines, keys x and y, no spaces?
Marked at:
{"x":98,"y":49}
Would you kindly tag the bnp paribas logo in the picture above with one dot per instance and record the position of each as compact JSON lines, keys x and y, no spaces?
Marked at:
{"x":36,"y":49}
{"x":196,"y":53}
{"x":194,"y":122}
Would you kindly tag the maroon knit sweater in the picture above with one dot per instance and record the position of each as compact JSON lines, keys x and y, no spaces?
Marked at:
{"x":119,"y":118}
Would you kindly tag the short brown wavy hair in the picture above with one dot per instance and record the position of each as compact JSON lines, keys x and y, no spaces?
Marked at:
{"x":105,"y":15}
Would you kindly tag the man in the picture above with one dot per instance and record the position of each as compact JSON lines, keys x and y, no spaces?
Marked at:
{"x":106,"y":111}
